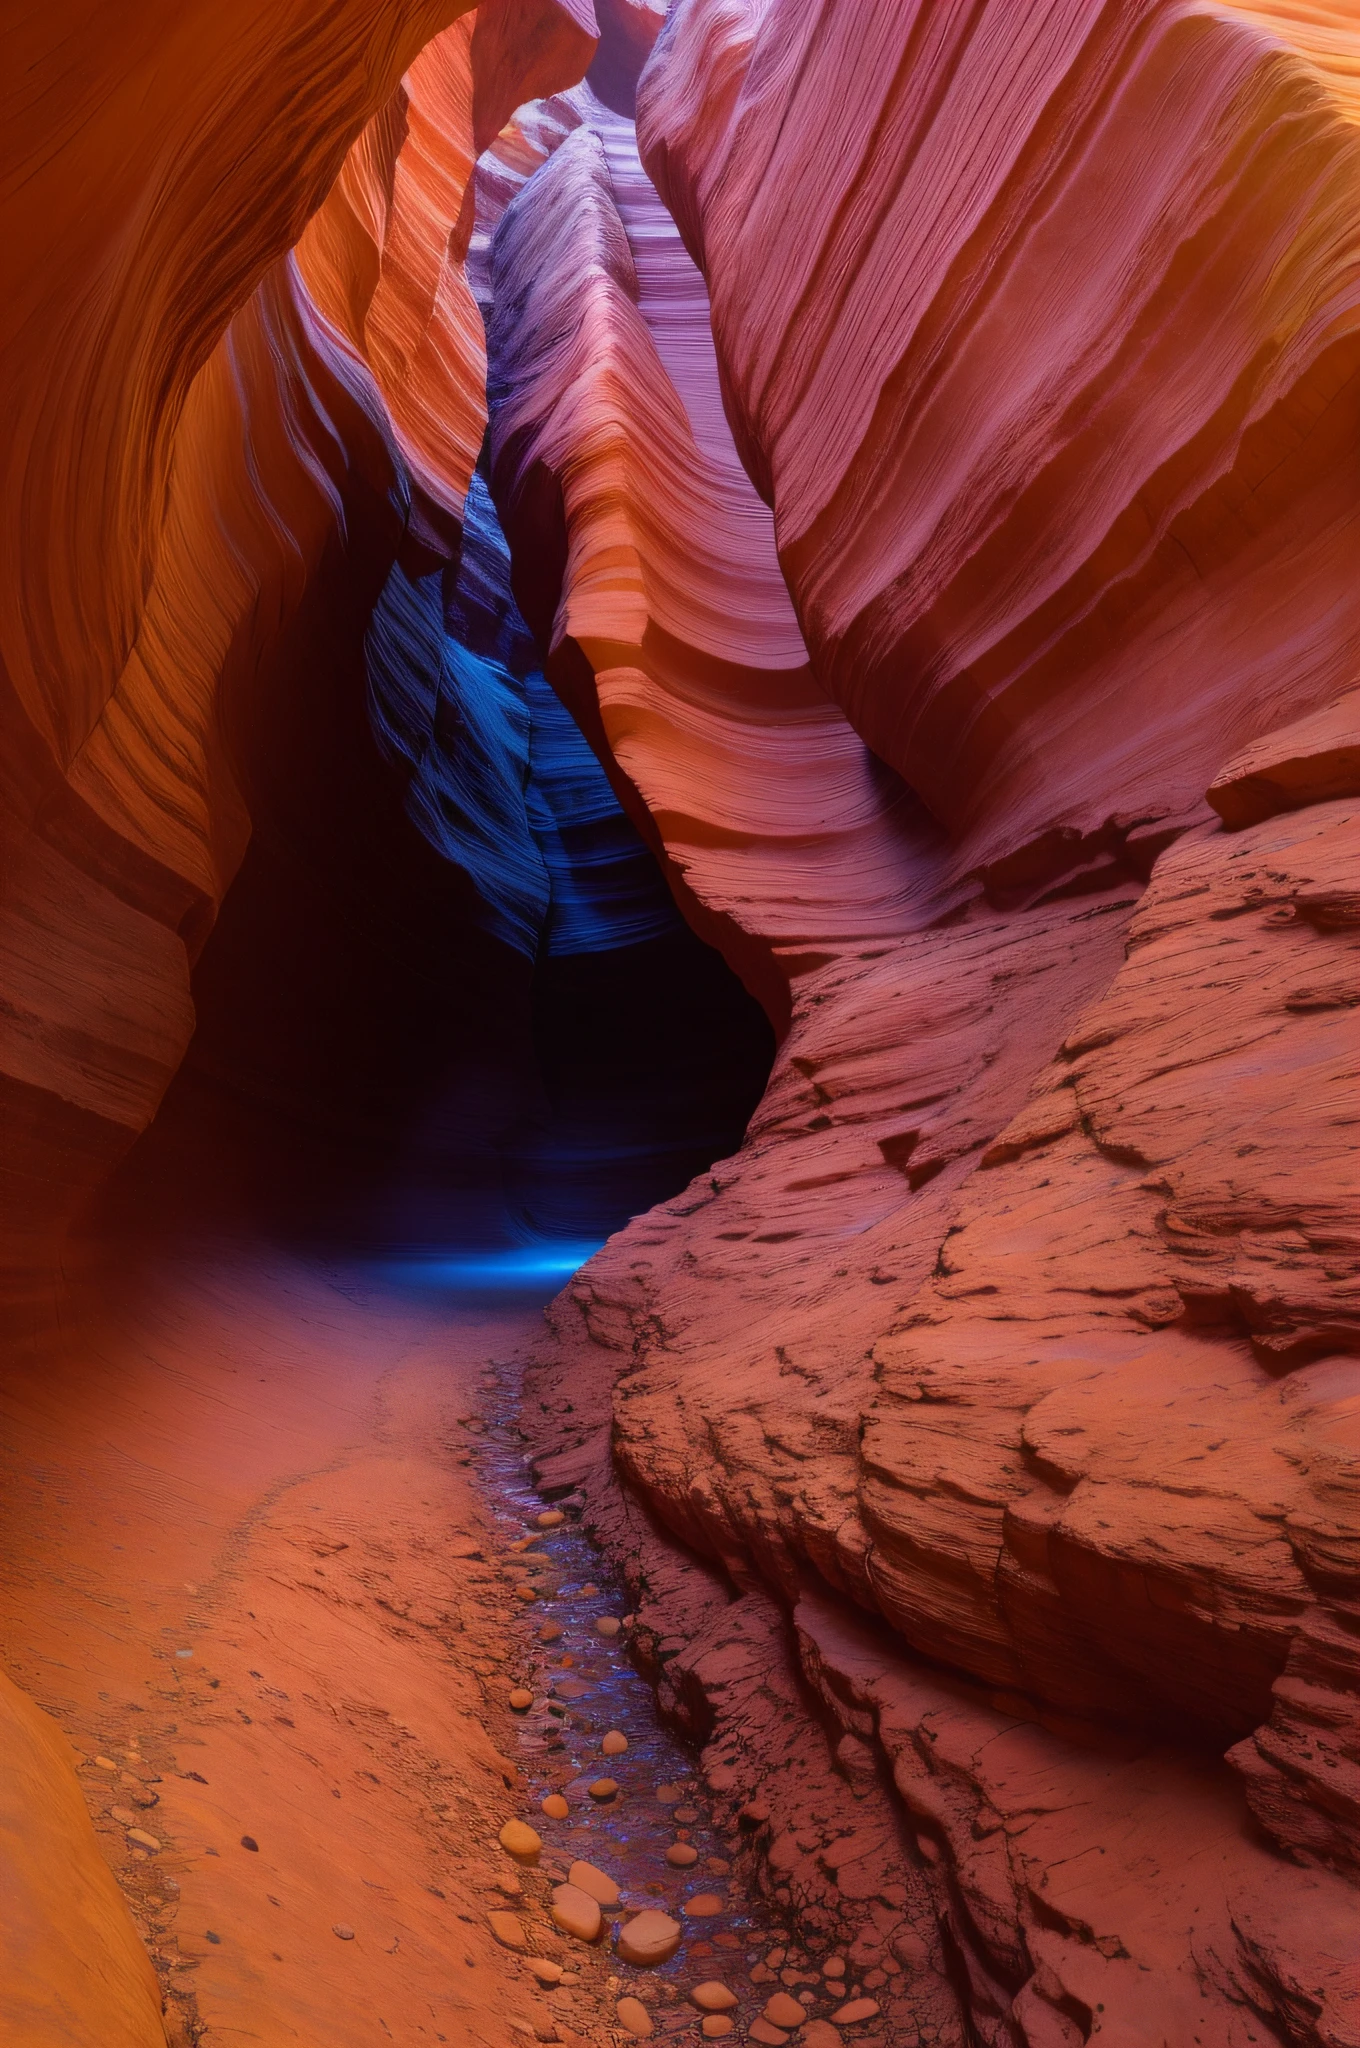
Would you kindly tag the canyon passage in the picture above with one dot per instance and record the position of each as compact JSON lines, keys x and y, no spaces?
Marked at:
{"x":680,"y":1023}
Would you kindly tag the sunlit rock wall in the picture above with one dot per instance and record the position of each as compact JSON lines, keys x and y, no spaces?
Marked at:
{"x":1025,"y":1321}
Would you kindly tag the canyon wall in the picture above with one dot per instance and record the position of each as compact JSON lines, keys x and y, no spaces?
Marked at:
{"x":204,"y":431}
{"x":1002,"y":1387}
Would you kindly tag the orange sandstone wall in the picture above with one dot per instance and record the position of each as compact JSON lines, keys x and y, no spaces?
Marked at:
{"x":171,"y":482}
{"x":1003,"y":1388}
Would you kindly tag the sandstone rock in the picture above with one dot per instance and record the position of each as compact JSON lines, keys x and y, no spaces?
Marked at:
{"x":634,"y":2018}
{"x":521,"y":1841}
{"x":713,"y":1996}
{"x":704,"y":1905}
{"x":614,"y":1743}
{"x":767,"y":2034}
{"x":856,"y":2012}
{"x":577,"y":1912}
{"x":715,"y":2025}
{"x":520,"y":1700}
{"x":783,"y":2011}
{"x":551,"y":1518}
{"x":603,"y":1790}
{"x":606,"y":1625}
{"x":508,"y":1930}
{"x":649,"y":1938}
{"x":555,"y":1806}
{"x":124,"y":1816}
{"x":144,"y":1840}
{"x":544,"y":1969}
{"x":682,"y":1854}
{"x":341,"y":1931}
{"x":597,"y":1883}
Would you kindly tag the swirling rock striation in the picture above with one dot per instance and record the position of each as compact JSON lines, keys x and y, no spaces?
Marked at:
{"x":1025,"y":1319}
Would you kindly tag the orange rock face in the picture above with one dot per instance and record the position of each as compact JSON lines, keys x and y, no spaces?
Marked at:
{"x":173,"y":483}
{"x":1025,"y":1319}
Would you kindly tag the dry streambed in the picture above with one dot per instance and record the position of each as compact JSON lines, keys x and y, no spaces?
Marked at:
{"x":620,"y":1885}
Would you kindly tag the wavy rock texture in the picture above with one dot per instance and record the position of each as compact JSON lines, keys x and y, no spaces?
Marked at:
{"x":179,"y":485}
{"x":1024,"y":1322}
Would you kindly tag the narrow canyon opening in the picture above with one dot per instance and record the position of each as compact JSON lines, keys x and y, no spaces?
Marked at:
{"x":678,"y":1046}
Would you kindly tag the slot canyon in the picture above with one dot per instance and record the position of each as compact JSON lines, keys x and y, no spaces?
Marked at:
{"x":680,"y":1023}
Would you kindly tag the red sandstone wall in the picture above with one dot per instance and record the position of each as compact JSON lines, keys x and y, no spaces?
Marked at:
{"x":172,"y":481}
{"x":1026,"y":1318}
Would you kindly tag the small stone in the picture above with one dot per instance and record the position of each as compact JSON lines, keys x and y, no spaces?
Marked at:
{"x":555,"y":1806}
{"x":714,"y":2025}
{"x":669,"y":1795}
{"x":508,"y":1885}
{"x":834,"y":1966}
{"x":858,"y":2010}
{"x":615,"y":1743}
{"x":104,"y":1763}
{"x":341,"y":1932}
{"x":649,"y":1939}
{"x":606,"y":1625}
{"x":144,"y":1840}
{"x":634,"y":2018}
{"x":768,"y":2036}
{"x":603,"y":1789}
{"x":820,"y":2034}
{"x":521,"y":1700}
{"x":712,"y":1996}
{"x":598,"y":1883}
{"x":719,"y":1866}
{"x":124,"y":1816}
{"x":576,"y":1913}
{"x":754,"y":1815}
{"x":783,"y":2011}
{"x":214,"y":1938}
{"x":551,"y":1518}
{"x":507,"y":1929}
{"x":704,"y":1905}
{"x":685,"y":1816}
{"x":550,"y":1632}
{"x":682,"y":1854}
{"x":525,"y":1592}
{"x":588,"y":1592}
{"x":249,"y":1842}
{"x":546,"y":1972}
{"x":521,"y":1841}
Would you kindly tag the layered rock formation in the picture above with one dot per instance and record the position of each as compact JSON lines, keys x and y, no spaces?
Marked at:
{"x":1023,"y":1320}
{"x":175,"y":485}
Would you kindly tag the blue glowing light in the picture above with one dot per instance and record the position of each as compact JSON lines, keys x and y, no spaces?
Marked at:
{"x":509,"y":1266}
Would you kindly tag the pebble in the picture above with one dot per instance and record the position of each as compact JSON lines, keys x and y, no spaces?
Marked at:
{"x":341,"y":1932}
{"x":551,"y":1518}
{"x":768,"y":2036}
{"x":144,"y":1840}
{"x":603,"y":1789}
{"x":783,"y":2011}
{"x":615,"y":1743}
{"x":649,"y":1938}
{"x":576,"y":1912}
{"x":598,"y":1883}
{"x":105,"y":1763}
{"x":820,"y":2034}
{"x":704,"y":1905}
{"x":588,"y":1592}
{"x":712,"y":1996}
{"x":857,"y":2010}
{"x":681,"y":1854}
{"x":634,"y":2018}
{"x":669,"y":1795}
{"x":685,"y":1816}
{"x":525,"y":1592}
{"x":506,"y":1927}
{"x":606,"y":1624}
{"x":550,"y":1632}
{"x":124,"y":1816}
{"x":520,"y":1700}
{"x":546,"y":1972}
{"x":555,"y":1806}
{"x":834,"y":1966}
{"x":521,"y":1841}
{"x":714,"y":2025}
